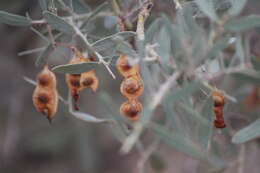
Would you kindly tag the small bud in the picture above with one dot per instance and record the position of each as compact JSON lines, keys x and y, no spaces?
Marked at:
{"x":125,"y":68}
{"x":89,"y":80}
{"x":132,"y":87}
{"x":45,"y":95}
{"x":131,"y":109}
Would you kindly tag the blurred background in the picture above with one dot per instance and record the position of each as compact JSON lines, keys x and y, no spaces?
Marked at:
{"x":28,"y":143}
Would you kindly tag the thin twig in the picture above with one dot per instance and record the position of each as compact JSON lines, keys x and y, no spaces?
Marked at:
{"x":164,"y":88}
{"x":85,"y":116}
{"x":207,"y":85}
{"x":147,"y":154}
{"x":177,"y":4}
{"x":144,"y":13}
{"x":51,"y":35}
{"x":76,"y":17}
{"x":92,"y":52}
{"x":241,"y":159}
{"x":27,"y":52}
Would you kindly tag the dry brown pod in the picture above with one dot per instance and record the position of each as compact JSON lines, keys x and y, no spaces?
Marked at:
{"x":219,"y":123}
{"x":89,"y":80}
{"x":125,"y":69}
{"x":219,"y":102}
{"x":45,"y":95}
{"x":73,"y":80}
{"x":46,"y":78}
{"x":131,"y":109}
{"x":132,"y":87}
{"x":218,"y":99}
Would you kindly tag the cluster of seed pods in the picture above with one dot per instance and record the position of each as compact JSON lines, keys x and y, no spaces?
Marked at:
{"x":131,"y":87}
{"x":219,"y":102}
{"x":45,"y":95}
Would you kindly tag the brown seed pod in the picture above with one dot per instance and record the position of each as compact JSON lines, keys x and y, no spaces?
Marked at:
{"x":218,"y":99}
{"x":89,"y":80}
{"x":45,"y":95}
{"x":73,"y":81}
{"x":125,"y":69}
{"x":131,"y":109}
{"x":46,"y":78}
{"x":132,"y":87}
{"x":219,"y":102}
{"x":220,"y":124}
{"x":218,"y":110}
{"x":91,"y":58}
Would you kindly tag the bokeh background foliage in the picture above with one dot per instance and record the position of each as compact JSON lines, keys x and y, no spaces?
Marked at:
{"x":189,"y":48}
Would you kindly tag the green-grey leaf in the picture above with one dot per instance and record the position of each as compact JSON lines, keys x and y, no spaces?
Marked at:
{"x":179,"y":142}
{"x":237,"y":7}
{"x":47,"y":51}
{"x":58,"y":23}
{"x":44,"y":55}
{"x":217,"y":47}
{"x":255,"y":62}
{"x":80,"y":7}
{"x":164,"y":48}
{"x":125,"y":48}
{"x":247,"y":76}
{"x":13,"y":19}
{"x":85,"y":116}
{"x":207,"y":7}
{"x":94,"y":13}
{"x":76,"y":68}
{"x":108,"y":41}
{"x":195,"y":116}
{"x":118,"y":129}
{"x":243,"y":24}
{"x":205,"y":130}
{"x":151,"y":31}
{"x":248,"y":133}
{"x":43,"y":4}
{"x":187,"y":90}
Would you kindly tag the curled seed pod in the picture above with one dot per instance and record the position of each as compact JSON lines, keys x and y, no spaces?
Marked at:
{"x":89,"y":80}
{"x":132,"y":87}
{"x":45,"y":97}
{"x":125,"y":68}
{"x":131,"y":109}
